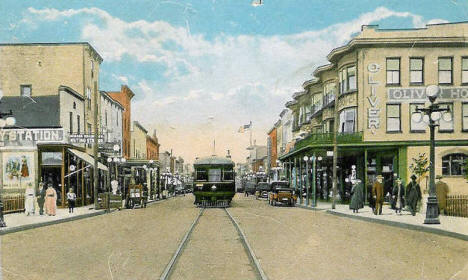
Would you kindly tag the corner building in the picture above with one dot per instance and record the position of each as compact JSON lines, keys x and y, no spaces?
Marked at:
{"x":371,"y":89}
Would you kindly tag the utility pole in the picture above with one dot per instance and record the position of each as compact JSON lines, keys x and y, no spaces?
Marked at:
{"x":335,"y":151}
{"x":95,"y":147}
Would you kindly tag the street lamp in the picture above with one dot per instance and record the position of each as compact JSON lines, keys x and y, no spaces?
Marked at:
{"x":432,"y":115}
{"x":9,"y":121}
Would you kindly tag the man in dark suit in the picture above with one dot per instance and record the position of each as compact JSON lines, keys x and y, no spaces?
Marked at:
{"x":378,"y":194}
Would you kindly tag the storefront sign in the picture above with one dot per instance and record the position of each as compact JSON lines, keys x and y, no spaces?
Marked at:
{"x":373,"y":113}
{"x":108,"y":148}
{"x":419,"y":94}
{"x":85,"y":138}
{"x":30,"y":137}
{"x":18,"y":170}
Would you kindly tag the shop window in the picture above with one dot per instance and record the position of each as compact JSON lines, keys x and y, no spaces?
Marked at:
{"x":446,"y":120}
{"x":445,"y":70}
{"x":416,"y":71}
{"x":347,"y":121}
{"x":464,"y":70}
{"x":416,"y":125}
{"x":393,"y":71}
{"x":26,"y":90}
{"x":393,"y":118}
{"x":454,"y":164}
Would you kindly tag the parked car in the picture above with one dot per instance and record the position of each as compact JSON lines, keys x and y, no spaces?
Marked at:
{"x":281,"y":194}
{"x":263,"y":188}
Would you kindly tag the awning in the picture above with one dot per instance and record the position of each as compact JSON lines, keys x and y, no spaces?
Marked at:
{"x":89,"y":159}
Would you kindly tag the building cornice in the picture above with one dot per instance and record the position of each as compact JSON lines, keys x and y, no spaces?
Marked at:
{"x":71,"y":91}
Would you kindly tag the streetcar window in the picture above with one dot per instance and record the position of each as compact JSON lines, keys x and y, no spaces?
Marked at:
{"x":214,"y":175}
{"x":201,"y":175}
{"x":228,"y":175}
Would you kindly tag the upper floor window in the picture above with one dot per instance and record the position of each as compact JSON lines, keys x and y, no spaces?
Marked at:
{"x":26,"y":90}
{"x":78,"y":126}
{"x":88,"y":96}
{"x":393,"y":118}
{"x":446,"y":120}
{"x":416,"y":70}
{"x":393,"y":71}
{"x":347,"y":77}
{"x":329,"y":93}
{"x":347,"y":121}
{"x":416,"y":125}
{"x":445,"y":70}
{"x":92,"y":68}
{"x":318,"y":102}
{"x":74,"y":105}
{"x":464,"y":70}
{"x":71,"y":123}
{"x":465,"y":116}
{"x":454,"y":164}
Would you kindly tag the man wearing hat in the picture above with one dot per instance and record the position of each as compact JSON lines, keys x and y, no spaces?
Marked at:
{"x":413,"y":194}
{"x":378,"y":194}
{"x":442,"y":190}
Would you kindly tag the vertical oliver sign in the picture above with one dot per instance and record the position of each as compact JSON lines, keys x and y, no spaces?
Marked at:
{"x":373,"y":113}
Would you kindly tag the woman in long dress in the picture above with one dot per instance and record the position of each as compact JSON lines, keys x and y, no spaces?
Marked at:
{"x":399,"y":195}
{"x":29,"y":197}
{"x":51,"y":201}
{"x":357,"y":198}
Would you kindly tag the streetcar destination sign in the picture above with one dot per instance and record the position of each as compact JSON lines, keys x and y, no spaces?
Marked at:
{"x":419,"y":94}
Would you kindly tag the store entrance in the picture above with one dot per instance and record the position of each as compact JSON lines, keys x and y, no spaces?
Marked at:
{"x":51,"y":175}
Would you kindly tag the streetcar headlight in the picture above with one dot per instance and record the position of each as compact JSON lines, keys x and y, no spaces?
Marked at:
{"x":199,"y":185}
{"x":213,"y":187}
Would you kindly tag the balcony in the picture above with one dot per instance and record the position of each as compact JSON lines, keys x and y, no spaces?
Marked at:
{"x":327,"y":138}
{"x":349,"y":138}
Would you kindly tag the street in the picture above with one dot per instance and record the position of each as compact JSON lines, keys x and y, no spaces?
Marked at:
{"x":290,"y":243}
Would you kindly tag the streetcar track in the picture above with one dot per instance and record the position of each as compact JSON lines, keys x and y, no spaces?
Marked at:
{"x":251,"y":255}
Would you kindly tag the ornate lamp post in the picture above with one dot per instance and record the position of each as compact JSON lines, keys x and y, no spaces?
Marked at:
{"x":432,"y":115}
{"x":9,"y":121}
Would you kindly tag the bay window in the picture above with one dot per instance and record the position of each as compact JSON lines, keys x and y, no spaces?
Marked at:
{"x":347,"y":121}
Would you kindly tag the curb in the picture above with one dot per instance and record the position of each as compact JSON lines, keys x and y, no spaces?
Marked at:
{"x":391,"y":223}
{"x":48,"y":223}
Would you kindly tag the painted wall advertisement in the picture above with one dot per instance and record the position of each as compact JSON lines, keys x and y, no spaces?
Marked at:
{"x":18,"y":170}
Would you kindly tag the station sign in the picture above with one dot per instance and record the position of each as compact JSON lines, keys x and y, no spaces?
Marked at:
{"x":30,"y":137}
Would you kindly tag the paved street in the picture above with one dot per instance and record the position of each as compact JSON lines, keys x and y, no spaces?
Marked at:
{"x":290,"y":243}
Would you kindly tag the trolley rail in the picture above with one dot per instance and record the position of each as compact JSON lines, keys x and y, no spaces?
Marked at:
{"x":251,"y":255}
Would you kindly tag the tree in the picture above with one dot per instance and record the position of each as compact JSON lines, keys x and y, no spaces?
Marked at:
{"x":420,"y":165}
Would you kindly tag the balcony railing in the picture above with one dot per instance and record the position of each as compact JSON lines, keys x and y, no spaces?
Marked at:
{"x":327,"y":138}
{"x":349,"y":137}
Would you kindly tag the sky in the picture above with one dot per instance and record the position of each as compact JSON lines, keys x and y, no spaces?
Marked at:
{"x":202,"y":68}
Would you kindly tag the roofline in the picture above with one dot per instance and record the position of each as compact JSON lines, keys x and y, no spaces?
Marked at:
{"x":103,"y":92}
{"x":323,"y":68}
{"x":71,"y":91}
{"x":140,"y":126}
{"x":56,"y":44}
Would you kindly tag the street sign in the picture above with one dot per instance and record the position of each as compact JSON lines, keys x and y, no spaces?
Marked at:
{"x":85,"y":138}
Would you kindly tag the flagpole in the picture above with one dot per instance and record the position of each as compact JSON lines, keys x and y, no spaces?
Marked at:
{"x":250,"y":133}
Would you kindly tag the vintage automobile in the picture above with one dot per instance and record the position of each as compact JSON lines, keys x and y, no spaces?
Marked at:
{"x":263,"y":188}
{"x":282,"y":194}
{"x":136,"y":196}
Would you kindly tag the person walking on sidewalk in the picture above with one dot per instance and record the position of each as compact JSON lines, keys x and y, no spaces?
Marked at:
{"x":442,"y":190}
{"x":357,"y":196}
{"x":71,"y":199}
{"x":398,"y":194}
{"x":41,"y":198}
{"x":378,"y":194}
{"x":29,"y":196}
{"x":413,"y":194}
{"x":51,"y":200}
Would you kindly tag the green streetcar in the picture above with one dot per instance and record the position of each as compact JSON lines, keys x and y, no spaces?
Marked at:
{"x":214,"y":183}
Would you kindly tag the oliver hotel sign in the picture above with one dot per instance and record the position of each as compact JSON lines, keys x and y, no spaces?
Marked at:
{"x":419,"y":94}
{"x":30,"y":137}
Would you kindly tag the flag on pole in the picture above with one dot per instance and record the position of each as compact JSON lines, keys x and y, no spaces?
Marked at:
{"x":244,"y":127}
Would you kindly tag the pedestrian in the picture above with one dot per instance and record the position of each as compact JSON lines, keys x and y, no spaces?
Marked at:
{"x":357,"y":196}
{"x":413,"y":194}
{"x":71,"y":199}
{"x":398,"y":195}
{"x":29,"y":196}
{"x":378,"y":194}
{"x":370,"y":197}
{"x":41,"y":198}
{"x":442,"y":190}
{"x":51,"y":200}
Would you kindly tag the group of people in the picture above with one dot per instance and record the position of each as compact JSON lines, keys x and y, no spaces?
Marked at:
{"x":401,"y":196}
{"x":46,"y":198}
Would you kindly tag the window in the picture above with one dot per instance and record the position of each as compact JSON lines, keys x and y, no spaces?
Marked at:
{"x":74,"y":105}
{"x":106,"y":118}
{"x":464,"y":70}
{"x":446,"y":120}
{"x":347,"y":79}
{"x":416,"y":126}
{"x":78,"y":127}
{"x":88,"y":96}
{"x":352,"y":78}
{"x":329,"y":93}
{"x":214,"y":175}
{"x":445,"y":70}
{"x":26,"y":90}
{"x":465,"y":116}
{"x":71,"y":122}
{"x":347,"y":121}
{"x":393,"y":71}
{"x":454,"y":164}
{"x":393,"y":118}
{"x":228,"y":175}
{"x":92,"y":68}
{"x":416,"y":70}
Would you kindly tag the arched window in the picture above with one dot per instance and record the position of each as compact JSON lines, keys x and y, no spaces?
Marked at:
{"x":454,"y":164}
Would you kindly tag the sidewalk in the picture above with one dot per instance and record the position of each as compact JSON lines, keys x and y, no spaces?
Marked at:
{"x":449,"y":226}
{"x":19,"y":221}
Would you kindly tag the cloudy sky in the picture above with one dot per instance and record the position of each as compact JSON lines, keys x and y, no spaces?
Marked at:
{"x":202,"y":68}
